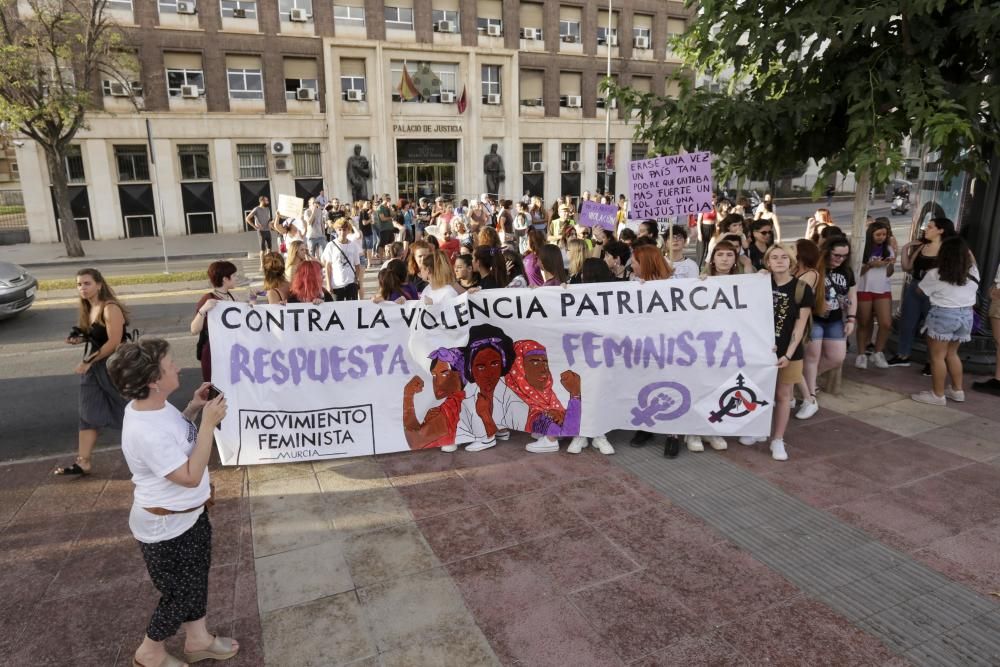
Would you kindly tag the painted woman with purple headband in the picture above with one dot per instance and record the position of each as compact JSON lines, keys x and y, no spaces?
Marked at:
{"x":441,"y":422}
{"x":490,"y":408}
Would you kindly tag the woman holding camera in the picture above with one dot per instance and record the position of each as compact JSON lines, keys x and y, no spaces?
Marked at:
{"x":168,"y":458}
{"x":101,"y":328}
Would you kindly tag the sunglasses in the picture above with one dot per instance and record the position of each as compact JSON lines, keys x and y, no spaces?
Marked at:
{"x":765,"y":233}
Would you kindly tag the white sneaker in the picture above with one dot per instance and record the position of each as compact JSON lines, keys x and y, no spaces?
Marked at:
{"x":930,"y":398}
{"x":717,"y":442}
{"x":750,"y":440}
{"x":778,"y":452}
{"x":603,"y":445}
{"x":694,"y":443}
{"x":808,"y":409}
{"x":878,"y":359}
{"x":543,"y":445}
{"x":480,"y":445}
{"x":578,"y":445}
{"x":449,"y":448}
{"x":956,"y":395}
{"x":503,"y":434}
{"x":861,"y":361}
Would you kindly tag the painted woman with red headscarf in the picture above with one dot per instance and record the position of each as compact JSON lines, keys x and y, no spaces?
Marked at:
{"x":441,"y":422}
{"x":531,"y":380}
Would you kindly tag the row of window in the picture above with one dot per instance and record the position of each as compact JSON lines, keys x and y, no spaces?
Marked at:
{"x":569,"y":154}
{"x":195,"y":165}
{"x":399,"y":18}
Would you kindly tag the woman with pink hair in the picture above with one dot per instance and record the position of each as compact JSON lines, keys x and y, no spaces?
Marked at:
{"x":530,"y":378}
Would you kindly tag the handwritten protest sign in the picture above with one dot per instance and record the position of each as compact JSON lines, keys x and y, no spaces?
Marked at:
{"x":600,"y":215}
{"x":355,"y":378}
{"x":290,"y":207}
{"x":670,"y":185}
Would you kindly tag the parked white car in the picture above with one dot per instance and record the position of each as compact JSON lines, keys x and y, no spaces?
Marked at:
{"x":17,"y":289}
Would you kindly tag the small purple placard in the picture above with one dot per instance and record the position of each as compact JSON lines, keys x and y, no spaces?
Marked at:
{"x":671,"y":185}
{"x":600,"y":215}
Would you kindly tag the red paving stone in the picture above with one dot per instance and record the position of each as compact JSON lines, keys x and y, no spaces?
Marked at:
{"x":68,"y":561}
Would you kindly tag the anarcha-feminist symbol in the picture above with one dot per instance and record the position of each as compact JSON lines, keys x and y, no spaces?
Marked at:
{"x":737,"y":401}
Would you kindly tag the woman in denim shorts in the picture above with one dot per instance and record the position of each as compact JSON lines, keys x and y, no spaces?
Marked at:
{"x":833,"y":319}
{"x":951,"y":288}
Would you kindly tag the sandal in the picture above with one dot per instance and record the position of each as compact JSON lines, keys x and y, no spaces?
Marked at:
{"x":220,"y":649}
{"x":168,"y":661}
{"x":74,"y":469}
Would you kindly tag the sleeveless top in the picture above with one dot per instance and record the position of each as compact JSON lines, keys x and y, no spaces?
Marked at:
{"x":922,"y":264}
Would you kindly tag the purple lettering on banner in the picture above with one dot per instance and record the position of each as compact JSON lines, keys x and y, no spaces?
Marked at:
{"x":671,"y":185}
{"x":600,"y":215}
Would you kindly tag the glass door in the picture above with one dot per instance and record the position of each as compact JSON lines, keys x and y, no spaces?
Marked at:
{"x":406,"y":176}
{"x":446,"y":180}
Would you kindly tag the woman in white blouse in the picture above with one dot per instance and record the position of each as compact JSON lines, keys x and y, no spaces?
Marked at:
{"x":168,"y":457}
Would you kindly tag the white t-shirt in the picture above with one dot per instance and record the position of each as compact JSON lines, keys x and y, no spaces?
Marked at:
{"x":685,"y":268}
{"x":876,"y":280}
{"x":156,"y":443}
{"x":946,"y":295}
{"x":440,"y":294}
{"x":342,"y":263}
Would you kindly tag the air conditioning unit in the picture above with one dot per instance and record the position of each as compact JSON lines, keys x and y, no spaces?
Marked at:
{"x":532,"y":33}
{"x":136,"y":87}
{"x":445,"y":26}
{"x":280,"y":146}
{"x":305,"y":94}
{"x":282,"y":164}
{"x":447,"y":97}
{"x":642,"y":42}
{"x":493,"y":30}
{"x":239,"y":13}
{"x":574,"y":101}
{"x":186,"y":8}
{"x":190,"y":92}
{"x":569,"y":38}
{"x":493,"y":98}
{"x":612,"y":40}
{"x":574,"y":166}
{"x":607,"y":104}
{"x":355,"y":95}
{"x":537,"y":166}
{"x":117,"y":89}
{"x":298,"y":15}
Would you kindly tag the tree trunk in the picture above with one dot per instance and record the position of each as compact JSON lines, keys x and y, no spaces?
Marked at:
{"x":64,"y":211}
{"x":858,"y":217}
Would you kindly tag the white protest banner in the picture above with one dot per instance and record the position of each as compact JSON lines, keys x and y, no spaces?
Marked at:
{"x":358,"y":378}
{"x":290,"y":207}
{"x":670,"y":185}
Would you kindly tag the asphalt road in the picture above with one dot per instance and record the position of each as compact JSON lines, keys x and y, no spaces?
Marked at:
{"x":38,"y":388}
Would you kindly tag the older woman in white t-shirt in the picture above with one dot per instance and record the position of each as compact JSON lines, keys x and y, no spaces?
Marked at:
{"x":168,"y":457}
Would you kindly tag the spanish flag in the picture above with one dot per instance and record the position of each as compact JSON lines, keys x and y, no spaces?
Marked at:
{"x":407,"y":89}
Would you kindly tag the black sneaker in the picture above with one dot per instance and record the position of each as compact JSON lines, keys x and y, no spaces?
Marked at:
{"x":640,"y":439}
{"x":672,"y":447}
{"x":991,"y":386}
{"x":902,"y":362}
{"x":870,"y":348}
{"x":926,"y":370}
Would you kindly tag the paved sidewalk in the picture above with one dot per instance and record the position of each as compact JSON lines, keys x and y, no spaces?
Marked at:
{"x":133,"y":250}
{"x":877,"y":543}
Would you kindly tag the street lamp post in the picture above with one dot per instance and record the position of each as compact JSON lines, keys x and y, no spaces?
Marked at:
{"x":607,"y":111}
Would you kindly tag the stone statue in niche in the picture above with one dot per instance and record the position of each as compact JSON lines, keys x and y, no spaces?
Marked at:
{"x":358,"y":173}
{"x":493,"y":167}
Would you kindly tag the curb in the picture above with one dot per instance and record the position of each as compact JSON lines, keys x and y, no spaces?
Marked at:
{"x":226,"y":254}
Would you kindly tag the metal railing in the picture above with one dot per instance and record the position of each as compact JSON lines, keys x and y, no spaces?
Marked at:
{"x":12,"y":214}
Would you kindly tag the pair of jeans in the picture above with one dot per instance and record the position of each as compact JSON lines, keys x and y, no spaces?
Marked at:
{"x":913,"y":310}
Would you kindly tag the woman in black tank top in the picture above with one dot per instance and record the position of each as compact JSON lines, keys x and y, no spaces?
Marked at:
{"x":101,"y":328}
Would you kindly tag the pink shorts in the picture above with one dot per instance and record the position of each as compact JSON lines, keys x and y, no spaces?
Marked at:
{"x":874,"y":296}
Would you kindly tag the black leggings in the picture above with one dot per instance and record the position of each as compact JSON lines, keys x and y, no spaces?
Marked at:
{"x":179,"y":570}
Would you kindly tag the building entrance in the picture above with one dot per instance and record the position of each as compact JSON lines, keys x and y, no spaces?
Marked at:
{"x":426,"y":168}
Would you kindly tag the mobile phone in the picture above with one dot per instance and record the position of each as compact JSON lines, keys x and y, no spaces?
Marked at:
{"x":213,"y":392}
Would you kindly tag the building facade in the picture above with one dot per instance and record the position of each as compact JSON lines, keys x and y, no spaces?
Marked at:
{"x":265,"y":97}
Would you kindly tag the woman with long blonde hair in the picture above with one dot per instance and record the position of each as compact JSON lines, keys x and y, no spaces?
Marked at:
{"x":275,"y":282}
{"x":100,"y":327}
{"x":577,"y":251}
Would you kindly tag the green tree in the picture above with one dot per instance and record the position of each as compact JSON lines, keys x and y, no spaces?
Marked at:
{"x":840,"y":82}
{"x":53,"y":54}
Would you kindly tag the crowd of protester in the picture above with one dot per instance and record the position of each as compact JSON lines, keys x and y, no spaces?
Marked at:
{"x":432,"y":251}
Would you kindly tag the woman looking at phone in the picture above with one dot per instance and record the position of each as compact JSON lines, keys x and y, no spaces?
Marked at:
{"x":168,"y":458}
{"x":101,"y":328}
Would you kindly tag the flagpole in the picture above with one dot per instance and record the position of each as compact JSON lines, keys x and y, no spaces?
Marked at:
{"x":607,"y":111}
